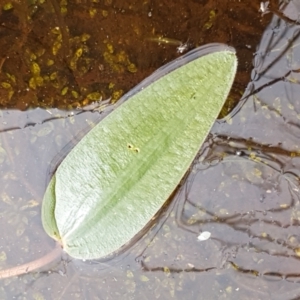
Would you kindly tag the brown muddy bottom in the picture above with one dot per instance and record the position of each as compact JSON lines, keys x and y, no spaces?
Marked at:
{"x":65,"y":54}
{"x":243,"y":187}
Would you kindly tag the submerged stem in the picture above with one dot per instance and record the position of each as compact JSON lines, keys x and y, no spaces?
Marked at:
{"x":33,"y":265}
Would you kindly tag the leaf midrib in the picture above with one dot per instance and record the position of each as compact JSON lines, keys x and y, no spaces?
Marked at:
{"x":128,"y":179}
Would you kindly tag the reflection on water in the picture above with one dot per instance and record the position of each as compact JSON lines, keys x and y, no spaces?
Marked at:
{"x":243,"y":188}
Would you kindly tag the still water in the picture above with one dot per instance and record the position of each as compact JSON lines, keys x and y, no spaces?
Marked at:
{"x":57,"y":58}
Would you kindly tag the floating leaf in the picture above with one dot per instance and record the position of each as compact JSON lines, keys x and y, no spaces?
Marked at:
{"x":122,"y":172}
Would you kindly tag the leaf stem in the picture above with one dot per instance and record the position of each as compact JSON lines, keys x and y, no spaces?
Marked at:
{"x":33,"y":265}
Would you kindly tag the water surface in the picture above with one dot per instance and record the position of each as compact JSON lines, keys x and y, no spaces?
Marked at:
{"x":243,"y":187}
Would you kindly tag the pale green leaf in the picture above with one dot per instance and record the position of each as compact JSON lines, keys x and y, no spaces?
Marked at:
{"x":122,"y":172}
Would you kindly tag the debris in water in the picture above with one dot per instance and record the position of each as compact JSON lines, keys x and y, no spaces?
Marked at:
{"x":203,"y":236}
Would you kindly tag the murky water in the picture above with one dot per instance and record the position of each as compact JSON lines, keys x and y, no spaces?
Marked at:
{"x":243,"y":187}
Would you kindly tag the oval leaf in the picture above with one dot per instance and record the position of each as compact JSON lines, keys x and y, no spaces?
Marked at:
{"x":122,"y":172}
